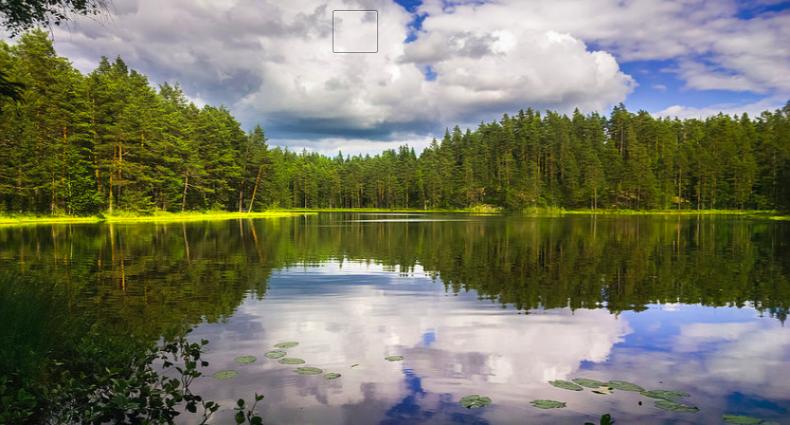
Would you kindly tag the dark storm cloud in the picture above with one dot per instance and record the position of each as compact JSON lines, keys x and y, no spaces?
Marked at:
{"x":288,"y":126}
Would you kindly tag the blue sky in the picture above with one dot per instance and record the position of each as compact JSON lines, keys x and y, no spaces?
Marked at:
{"x":442,"y":63}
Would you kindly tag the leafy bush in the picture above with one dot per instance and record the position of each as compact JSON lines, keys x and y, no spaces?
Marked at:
{"x":55,"y":368}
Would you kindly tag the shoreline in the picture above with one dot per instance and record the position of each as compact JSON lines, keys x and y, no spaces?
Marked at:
{"x":295,"y":212}
{"x":156,"y":217}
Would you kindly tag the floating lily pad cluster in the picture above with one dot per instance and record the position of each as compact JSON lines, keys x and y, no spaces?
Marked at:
{"x":475,"y":401}
{"x":669,"y":400}
{"x":230,"y":374}
{"x":278,"y":354}
{"x":665,"y":399}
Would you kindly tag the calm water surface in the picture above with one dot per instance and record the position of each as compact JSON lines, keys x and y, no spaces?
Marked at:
{"x":475,"y":305}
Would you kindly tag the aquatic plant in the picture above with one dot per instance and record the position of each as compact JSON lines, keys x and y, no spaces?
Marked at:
{"x":275,"y":354}
{"x":393,"y":358}
{"x":475,"y":401}
{"x":246,"y":415}
{"x":589,"y":383}
{"x":566,"y":385}
{"x":605,"y":420}
{"x":665,"y":394}
{"x":245,"y":359}
{"x":741,"y":420}
{"x":309,"y":370}
{"x":332,"y":375}
{"x":548,"y":404}
{"x":286,"y":345}
{"x":625,"y":386}
{"x":225,"y":374}
{"x":603,"y":389}
{"x":291,"y":360}
{"x":676,"y":407}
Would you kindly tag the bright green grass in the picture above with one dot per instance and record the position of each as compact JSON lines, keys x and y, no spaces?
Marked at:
{"x":384,"y":210}
{"x":127,"y":217}
{"x":760,"y":214}
{"x":669,"y":212}
{"x":155,"y":217}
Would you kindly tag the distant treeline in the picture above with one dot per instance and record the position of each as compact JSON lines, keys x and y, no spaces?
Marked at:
{"x":108,"y":141}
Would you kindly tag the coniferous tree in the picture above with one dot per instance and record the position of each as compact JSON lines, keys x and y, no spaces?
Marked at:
{"x":109,"y":141}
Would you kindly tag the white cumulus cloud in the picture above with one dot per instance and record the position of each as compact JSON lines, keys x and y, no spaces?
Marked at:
{"x":272,"y":62}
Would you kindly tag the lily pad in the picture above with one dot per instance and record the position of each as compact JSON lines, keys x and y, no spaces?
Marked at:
{"x":603,"y":389}
{"x":308,"y":370}
{"x":676,"y":407}
{"x":275,"y":354}
{"x":291,"y":360}
{"x":566,"y":385}
{"x":548,"y":404}
{"x":625,"y":386}
{"x":393,"y":358}
{"x":589,"y":383}
{"x":475,"y":401}
{"x":332,"y":375}
{"x":741,"y":420}
{"x":286,"y":345}
{"x":245,"y":359}
{"x":665,"y":394}
{"x":226,"y":374}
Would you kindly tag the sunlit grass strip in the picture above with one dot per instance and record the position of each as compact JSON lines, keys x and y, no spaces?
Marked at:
{"x":686,"y":212}
{"x":382,"y":210}
{"x":475,"y":209}
{"x":197,"y":216}
{"x":31,"y":219}
{"x":155,"y":217}
{"x":160,"y":216}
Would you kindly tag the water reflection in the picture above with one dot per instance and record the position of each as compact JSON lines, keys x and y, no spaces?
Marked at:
{"x":455,"y":346}
{"x":484,"y":305}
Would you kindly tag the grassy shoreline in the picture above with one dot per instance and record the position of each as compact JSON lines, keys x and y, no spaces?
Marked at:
{"x":223,"y":215}
{"x":156,"y":217}
{"x":756,"y":214}
{"x":751,"y":213}
{"x":394,"y":210}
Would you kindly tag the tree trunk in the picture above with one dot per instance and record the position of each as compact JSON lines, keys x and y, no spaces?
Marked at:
{"x":109,"y":209}
{"x":184,"y":195}
{"x":255,"y":189}
{"x":680,"y":184}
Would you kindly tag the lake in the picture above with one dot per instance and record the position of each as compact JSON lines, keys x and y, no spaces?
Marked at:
{"x":495,"y":306}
